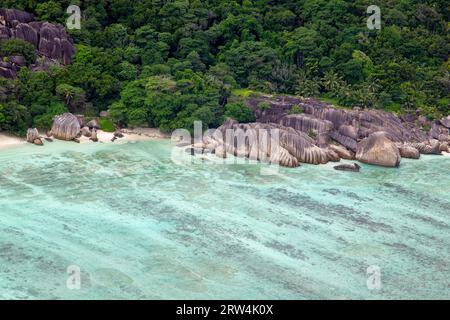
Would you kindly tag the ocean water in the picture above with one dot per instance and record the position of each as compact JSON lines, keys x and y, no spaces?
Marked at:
{"x":139,"y":226}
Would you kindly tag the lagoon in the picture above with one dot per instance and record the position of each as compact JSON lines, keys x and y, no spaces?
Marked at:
{"x":140,"y":226}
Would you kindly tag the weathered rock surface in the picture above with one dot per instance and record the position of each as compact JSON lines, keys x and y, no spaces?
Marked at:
{"x":93,"y":124}
{"x":66,"y":127}
{"x":32,"y":134}
{"x":50,"y":41}
{"x":349,"y":127}
{"x":446,"y":122}
{"x":378,"y":149}
{"x":407,"y":151}
{"x":342,"y":152}
{"x":427,"y":147}
{"x":267,"y":142}
{"x":94,"y":136}
{"x":85,"y":131}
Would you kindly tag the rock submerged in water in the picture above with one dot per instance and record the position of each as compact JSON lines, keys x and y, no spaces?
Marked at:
{"x":377,"y":149}
{"x":66,"y":127}
{"x":348,"y":167}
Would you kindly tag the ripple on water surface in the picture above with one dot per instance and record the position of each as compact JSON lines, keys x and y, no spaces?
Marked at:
{"x":140,"y":226}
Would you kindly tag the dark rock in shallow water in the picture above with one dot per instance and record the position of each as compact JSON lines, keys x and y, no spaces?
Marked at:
{"x":348,"y":167}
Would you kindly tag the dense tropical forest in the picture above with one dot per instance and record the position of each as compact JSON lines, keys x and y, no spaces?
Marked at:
{"x":167,"y":63}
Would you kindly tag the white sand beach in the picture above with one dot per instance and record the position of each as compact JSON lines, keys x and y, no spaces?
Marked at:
{"x":138,"y":134}
{"x":8,"y":141}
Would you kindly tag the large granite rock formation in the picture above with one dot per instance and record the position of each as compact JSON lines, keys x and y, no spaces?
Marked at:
{"x":349,"y":127}
{"x":378,"y":149}
{"x":51,"y":41}
{"x":266,"y":142}
{"x":66,"y":127}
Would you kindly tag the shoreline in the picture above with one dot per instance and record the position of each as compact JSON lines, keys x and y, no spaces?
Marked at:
{"x":8,"y":141}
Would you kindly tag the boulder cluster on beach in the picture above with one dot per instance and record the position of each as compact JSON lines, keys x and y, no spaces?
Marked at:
{"x":323,"y":133}
{"x":70,"y":127}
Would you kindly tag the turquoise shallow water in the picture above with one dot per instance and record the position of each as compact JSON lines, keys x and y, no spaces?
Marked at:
{"x":141,"y":227}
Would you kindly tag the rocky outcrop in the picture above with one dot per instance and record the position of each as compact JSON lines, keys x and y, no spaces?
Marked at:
{"x":51,"y":41}
{"x":66,"y":127}
{"x":328,"y":125}
{"x":266,"y":142}
{"x":428,"y":147}
{"x":378,"y":149}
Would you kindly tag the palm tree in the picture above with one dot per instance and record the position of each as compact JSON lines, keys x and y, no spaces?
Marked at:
{"x":332,"y":82}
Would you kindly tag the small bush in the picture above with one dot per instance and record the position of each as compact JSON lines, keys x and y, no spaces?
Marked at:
{"x":312,"y":133}
{"x":239,"y":112}
{"x":264,"y":105}
{"x":18,"y":47}
{"x":296,"y":109}
{"x":106,"y":125}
